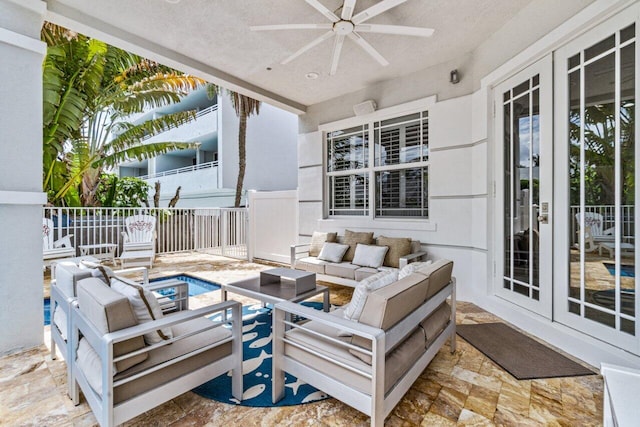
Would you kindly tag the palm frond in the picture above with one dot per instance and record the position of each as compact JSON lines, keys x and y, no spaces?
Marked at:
{"x":142,"y":152}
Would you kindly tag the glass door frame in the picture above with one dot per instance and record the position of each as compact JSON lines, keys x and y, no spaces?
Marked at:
{"x":562,"y":238}
{"x":543,"y":306}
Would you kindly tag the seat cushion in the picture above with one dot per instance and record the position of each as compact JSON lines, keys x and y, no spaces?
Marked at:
{"x":145,"y":306}
{"x":352,"y":238}
{"x":311,"y":264}
{"x":434,"y":324}
{"x":343,"y":269}
{"x":364,"y":272}
{"x":318,"y":239}
{"x":398,"y":247}
{"x":173,"y":351}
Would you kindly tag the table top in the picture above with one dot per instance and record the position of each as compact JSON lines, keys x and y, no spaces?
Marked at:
{"x":98,"y":246}
{"x":287,"y":272}
{"x":270,"y":293}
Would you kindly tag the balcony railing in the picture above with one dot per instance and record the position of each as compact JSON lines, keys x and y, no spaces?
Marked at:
{"x":200,"y":113}
{"x":222,"y":231}
{"x":186,"y":169}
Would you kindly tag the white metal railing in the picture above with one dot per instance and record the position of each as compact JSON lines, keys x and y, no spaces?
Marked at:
{"x":181,"y":170}
{"x":221,"y":231}
{"x":200,"y":113}
{"x":627,"y":213}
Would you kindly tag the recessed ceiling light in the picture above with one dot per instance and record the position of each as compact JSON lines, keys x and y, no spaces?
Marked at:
{"x":312,"y":76}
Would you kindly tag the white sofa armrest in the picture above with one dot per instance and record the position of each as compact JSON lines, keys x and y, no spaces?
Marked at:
{"x":143,"y":270}
{"x":298,"y":251}
{"x":411,"y":258}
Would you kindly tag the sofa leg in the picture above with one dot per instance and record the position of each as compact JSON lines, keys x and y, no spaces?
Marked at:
{"x":277,"y":355}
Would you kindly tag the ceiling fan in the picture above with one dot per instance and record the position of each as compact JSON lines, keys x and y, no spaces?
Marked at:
{"x":348,"y":25}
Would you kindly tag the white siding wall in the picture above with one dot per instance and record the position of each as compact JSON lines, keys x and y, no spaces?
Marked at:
{"x":273,"y":218}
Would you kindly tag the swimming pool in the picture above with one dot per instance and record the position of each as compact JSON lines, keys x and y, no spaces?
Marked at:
{"x":626,"y":270}
{"x":197,"y":286}
{"x":47,"y":311}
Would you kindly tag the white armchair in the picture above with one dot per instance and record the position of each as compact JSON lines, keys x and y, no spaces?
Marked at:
{"x":138,"y":244}
{"x":122,"y":377}
{"x":55,"y":249}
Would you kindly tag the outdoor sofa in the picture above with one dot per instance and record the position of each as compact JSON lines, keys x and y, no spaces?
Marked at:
{"x":370,"y":362}
{"x":349,"y":269}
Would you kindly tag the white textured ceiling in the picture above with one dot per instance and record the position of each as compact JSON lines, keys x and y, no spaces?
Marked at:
{"x":216,"y":33}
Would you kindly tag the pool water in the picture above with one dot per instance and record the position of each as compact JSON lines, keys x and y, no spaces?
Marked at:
{"x":197,"y":286}
{"x":626,"y":270}
{"x":47,"y":311}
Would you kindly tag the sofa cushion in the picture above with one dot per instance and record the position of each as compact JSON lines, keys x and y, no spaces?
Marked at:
{"x":352,"y":238}
{"x":398,"y":247}
{"x":67,"y":276}
{"x":98,"y":270}
{"x":412,"y":268}
{"x":109,"y":311}
{"x":343,"y":269}
{"x":436,"y":322}
{"x":369,"y":255}
{"x":311,"y":264}
{"x":318,"y":239}
{"x":364,"y":272}
{"x":145,"y":306}
{"x":438,"y":274}
{"x":332,"y":252}
{"x":364,"y":289}
{"x":174,"y":351}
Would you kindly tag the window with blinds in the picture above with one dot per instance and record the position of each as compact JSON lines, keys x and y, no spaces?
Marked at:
{"x":399,"y":169}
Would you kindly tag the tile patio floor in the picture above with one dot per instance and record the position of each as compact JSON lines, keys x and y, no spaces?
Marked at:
{"x":465,"y":388}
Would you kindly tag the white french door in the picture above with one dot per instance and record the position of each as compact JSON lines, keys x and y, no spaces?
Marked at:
{"x":597,"y":194}
{"x":524,"y":184}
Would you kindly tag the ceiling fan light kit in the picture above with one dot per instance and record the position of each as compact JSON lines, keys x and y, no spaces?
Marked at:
{"x":348,"y":25}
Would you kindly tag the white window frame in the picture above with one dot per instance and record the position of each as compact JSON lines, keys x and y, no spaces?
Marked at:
{"x":418,"y":106}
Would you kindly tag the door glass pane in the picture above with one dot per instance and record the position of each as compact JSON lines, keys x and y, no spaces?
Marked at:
{"x":507,"y":193}
{"x":534,"y":189}
{"x":602,"y":181}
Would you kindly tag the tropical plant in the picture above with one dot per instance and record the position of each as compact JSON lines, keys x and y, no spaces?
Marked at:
{"x":244,"y":107}
{"x":90,"y":90}
{"x":127,"y":191}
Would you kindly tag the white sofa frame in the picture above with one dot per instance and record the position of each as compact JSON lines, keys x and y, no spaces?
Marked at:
{"x":107,"y":413}
{"x":301,"y":250}
{"x":375,"y":403}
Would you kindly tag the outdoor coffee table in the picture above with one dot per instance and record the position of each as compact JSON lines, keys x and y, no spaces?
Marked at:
{"x":100,"y":250}
{"x":274,"y":292}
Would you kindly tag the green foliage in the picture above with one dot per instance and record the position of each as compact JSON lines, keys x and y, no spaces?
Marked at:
{"x":89,"y":90}
{"x":122,"y":192}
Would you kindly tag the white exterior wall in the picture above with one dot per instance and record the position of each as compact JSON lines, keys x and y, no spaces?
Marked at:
{"x":21,"y":197}
{"x":461,"y":171}
{"x":271,"y":148}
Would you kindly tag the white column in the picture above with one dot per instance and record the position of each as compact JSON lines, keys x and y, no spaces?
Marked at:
{"x":21,"y":196}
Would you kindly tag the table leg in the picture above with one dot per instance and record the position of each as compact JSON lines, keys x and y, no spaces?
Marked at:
{"x":325,"y":302}
{"x":223,"y":293}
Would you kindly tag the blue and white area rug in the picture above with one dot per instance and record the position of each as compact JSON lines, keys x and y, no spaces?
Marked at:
{"x":256,"y":367}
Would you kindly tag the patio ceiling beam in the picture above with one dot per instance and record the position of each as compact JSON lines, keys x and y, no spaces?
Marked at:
{"x":75,"y":20}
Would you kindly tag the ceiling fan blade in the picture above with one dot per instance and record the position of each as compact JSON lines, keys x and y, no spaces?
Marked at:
{"x":315,"y":42}
{"x":375,"y":10}
{"x":347,"y":9}
{"x":337,"y":48}
{"x":323,"y":10}
{"x":368,"y":48}
{"x":291,"y":27}
{"x":395,"y":29}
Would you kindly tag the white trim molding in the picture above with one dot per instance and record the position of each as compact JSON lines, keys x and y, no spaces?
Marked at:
{"x":15,"y":39}
{"x":17,"y":198}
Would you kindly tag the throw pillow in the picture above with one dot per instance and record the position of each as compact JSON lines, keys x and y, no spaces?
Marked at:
{"x":364,"y":288}
{"x":332,"y":252}
{"x":369,"y":255}
{"x":98,"y":270}
{"x":410,"y":268}
{"x":352,"y":238}
{"x":145,"y":306}
{"x":318,"y":239}
{"x":398,"y":247}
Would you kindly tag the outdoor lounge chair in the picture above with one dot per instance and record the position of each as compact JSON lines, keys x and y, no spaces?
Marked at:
{"x":138,"y":244}
{"x":121,"y":375}
{"x":55,"y":249}
{"x":402,"y":327}
{"x":594,"y":234}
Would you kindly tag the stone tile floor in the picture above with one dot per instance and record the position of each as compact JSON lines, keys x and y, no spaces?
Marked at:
{"x":464,"y":388}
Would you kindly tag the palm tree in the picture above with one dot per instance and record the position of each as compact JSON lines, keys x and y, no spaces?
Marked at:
{"x":89,"y":91}
{"x":244,"y":107}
